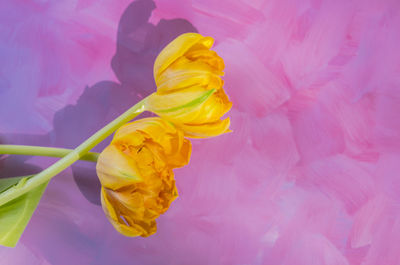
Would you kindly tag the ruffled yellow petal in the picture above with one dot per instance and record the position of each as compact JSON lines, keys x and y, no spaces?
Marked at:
{"x":210,"y":111}
{"x":175,"y":147}
{"x":208,"y":57}
{"x":206,"y":130}
{"x":116,"y":169}
{"x":177,"y":48}
{"x":125,"y":224}
{"x":205,"y":111}
{"x":175,"y":104}
{"x":181,"y":156}
{"x":175,"y":80}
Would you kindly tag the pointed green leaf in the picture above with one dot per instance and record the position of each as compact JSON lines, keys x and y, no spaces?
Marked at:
{"x":15,"y":215}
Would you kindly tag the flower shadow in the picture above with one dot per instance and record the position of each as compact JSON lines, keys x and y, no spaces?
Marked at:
{"x":138,"y":43}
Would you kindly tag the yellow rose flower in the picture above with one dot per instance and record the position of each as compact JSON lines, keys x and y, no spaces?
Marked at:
{"x":189,"y":87}
{"x":136,"y":175}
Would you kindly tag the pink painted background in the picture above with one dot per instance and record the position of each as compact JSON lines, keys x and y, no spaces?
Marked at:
{"x":310,"y":175}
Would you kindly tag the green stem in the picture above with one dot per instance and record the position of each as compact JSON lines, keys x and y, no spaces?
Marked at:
{"x":30,"y":150}
{"x":73,"y":156}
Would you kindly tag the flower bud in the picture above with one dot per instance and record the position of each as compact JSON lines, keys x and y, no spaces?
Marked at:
{"x":190,"y":91}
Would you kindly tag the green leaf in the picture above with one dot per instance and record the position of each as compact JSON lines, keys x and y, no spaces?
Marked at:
{"x":15,"y":215}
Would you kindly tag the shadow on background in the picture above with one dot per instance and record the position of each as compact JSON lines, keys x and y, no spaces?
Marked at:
{"x":138,"y":44}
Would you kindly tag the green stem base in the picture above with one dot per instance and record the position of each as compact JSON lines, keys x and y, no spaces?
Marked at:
{"x":30,"y":150}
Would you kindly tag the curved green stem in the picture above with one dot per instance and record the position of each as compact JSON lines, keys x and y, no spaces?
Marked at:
{"x":31,"y":150}
{"x":73,"y":156}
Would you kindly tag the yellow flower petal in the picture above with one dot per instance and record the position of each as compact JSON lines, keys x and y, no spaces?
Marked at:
{"x":116,"y":169}
{"x":177,"y":149}
{"x":124,"y":224}
{"x":172,"y":104}
{"x":177,"y":48}
{"x":175,"y":80}
{"x":206,"y":130}
{"x":184,"y":66}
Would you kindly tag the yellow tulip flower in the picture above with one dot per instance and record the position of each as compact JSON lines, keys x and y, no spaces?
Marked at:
{"x":136,"y":175}
{"x":189,"y":87}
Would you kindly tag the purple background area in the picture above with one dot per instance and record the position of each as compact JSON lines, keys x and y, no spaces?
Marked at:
{"x":309,"y":176}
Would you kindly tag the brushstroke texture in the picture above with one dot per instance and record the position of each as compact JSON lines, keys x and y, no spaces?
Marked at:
{"x":310,"y":174}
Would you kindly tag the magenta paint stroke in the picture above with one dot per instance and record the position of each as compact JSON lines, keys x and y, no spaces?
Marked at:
{"x":310,"y":174}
